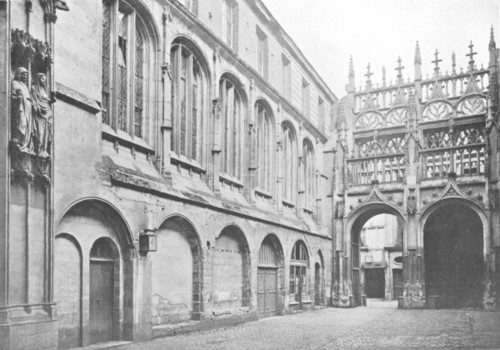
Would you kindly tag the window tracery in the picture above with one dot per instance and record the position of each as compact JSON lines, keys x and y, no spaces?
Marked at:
{"x":369,"y":121}
{"x":298,"y":270}
{"x":126,"y":63}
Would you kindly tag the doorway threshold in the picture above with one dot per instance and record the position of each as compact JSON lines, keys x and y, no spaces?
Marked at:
{"x":105,"y":345}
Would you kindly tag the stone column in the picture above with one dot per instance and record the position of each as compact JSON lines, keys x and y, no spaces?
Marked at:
{"x":166,"y":125}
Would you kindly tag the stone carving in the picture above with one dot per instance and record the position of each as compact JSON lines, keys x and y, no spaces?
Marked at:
{"x":472,"y":105}
{"x":436,"y":111}
{"x":22,"y":121}
{"x":411,"y":205}
{"x":397,"y":117}
{"x":369,"y":121}
{"x":42,"y":121}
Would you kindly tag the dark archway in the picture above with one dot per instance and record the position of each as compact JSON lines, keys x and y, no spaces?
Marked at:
{"x":362,"y":262}
{"x":454,"y":261}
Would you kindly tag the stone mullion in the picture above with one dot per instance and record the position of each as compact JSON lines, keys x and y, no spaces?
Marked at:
{"x":279,"y":160}
{"x":166,"y":125}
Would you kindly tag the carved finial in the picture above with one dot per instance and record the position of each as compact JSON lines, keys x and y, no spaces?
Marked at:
{"x":383,"y":77}
{"x":453,"y":64}
{"x":400,"y":69}
{"x":368,"y":76}
{"x":351,"y":86}
{"x":436,"y":62}
{"x":471,"y":56}
{"x":418,"y":63}
{"x":492,"y":44}
{"x":418,"y":59}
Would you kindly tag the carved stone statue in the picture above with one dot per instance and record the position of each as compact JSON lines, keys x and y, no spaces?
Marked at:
{"x":22,"y":123}
{"x":42,"y":123}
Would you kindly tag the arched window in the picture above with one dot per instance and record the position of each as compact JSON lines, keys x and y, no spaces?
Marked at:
{"x":233,"y":116}
{"x":127,"y":59}
{"x":189,"y":88}
{"x":309,"y":173}
{"x":298,"y":271}
{"x":289,"y":162}
{"x":264,"y":146}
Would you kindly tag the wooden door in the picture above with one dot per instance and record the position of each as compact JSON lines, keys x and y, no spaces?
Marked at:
{"x":267,"y":285}
{"x":375,"y":283}
{"x":397,"y":283}
{"x":101,"y":300}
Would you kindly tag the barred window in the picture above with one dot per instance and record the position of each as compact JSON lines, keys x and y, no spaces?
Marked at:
{"x":289,"y":162}
{"x":189,"y":88}
{"x":264,"y":146}
{"x":233,"y":112}
{"x":309,"y":173}
{"x":125,"y":78}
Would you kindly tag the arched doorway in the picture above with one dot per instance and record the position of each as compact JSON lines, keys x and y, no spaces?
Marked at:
{"x":317,"y":284}
{"x":453,"y":255}
{"x":376,"y":237}
{"x":176,"y":270}
{"x":269,"y":275}
{"x":231,"y":270}
{"x":104,"y":285}
{"x":92,"y":282}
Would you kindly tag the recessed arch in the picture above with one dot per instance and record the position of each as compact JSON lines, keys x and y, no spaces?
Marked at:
{"x":89,"y":220}
{"x":264,"y":120}
{"x":454,"y":255}
{"x":177,"y":272}
{"x":231,"y":264}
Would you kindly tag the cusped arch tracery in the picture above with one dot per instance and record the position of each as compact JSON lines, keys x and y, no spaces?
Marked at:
{"x":471,"y":105}
{"x":436,"y":111}
{"x":396,"y":117}
{"x":369,"y":120}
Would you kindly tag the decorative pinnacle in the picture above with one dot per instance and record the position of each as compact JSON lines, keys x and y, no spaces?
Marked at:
{"x":399,"y":69}
{"x":351,"y":68}
{"x":383,"y":77}
{"x":492,"y":44}
{"x":418,"y":59}
{"x":471,"y":56}
{"x":436,"y":62}
{"x":453,"y":64}
{"x":368,"y":76}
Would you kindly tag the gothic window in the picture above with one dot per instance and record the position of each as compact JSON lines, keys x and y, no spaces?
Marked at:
{"x":233,"y":111}
{"x":309,"y":173}
{"x":287,"y":77}
{"x":189,"y":88}
{"x":298,"y":270}
{"x":126,"y":51}
{"x":289,"y":162}
{"x":230,"y":23}
{"x":264,"y":146}
{"x":305,"y":98}
{"x":262,"y":53}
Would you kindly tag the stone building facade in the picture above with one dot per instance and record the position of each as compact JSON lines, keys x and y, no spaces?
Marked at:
{"x":163,"y":168}
{"x":425,"y":150}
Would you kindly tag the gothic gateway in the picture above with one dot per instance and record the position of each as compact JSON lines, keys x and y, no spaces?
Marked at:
{"x":179,"y":165}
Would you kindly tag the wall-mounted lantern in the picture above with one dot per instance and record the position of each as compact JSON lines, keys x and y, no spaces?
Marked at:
{"x":147,"y":241}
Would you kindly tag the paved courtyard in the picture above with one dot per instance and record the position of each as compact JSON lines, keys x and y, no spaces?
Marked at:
{"x":379,"y":326}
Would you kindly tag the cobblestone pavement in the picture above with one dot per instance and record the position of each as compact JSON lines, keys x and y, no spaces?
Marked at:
{"x":379,"y":326}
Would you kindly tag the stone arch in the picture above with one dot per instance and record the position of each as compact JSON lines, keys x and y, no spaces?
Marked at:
{"x":191,"y":44}
{"x":231,"y":270}
{"x":239,"y":85}
{"x":87,"y":221}
{"x":355,"y":223}
{"x":462,"y":201}
{"x":455,"y":242}
{"x":270,"y":301}
{"x":177,"y":272}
